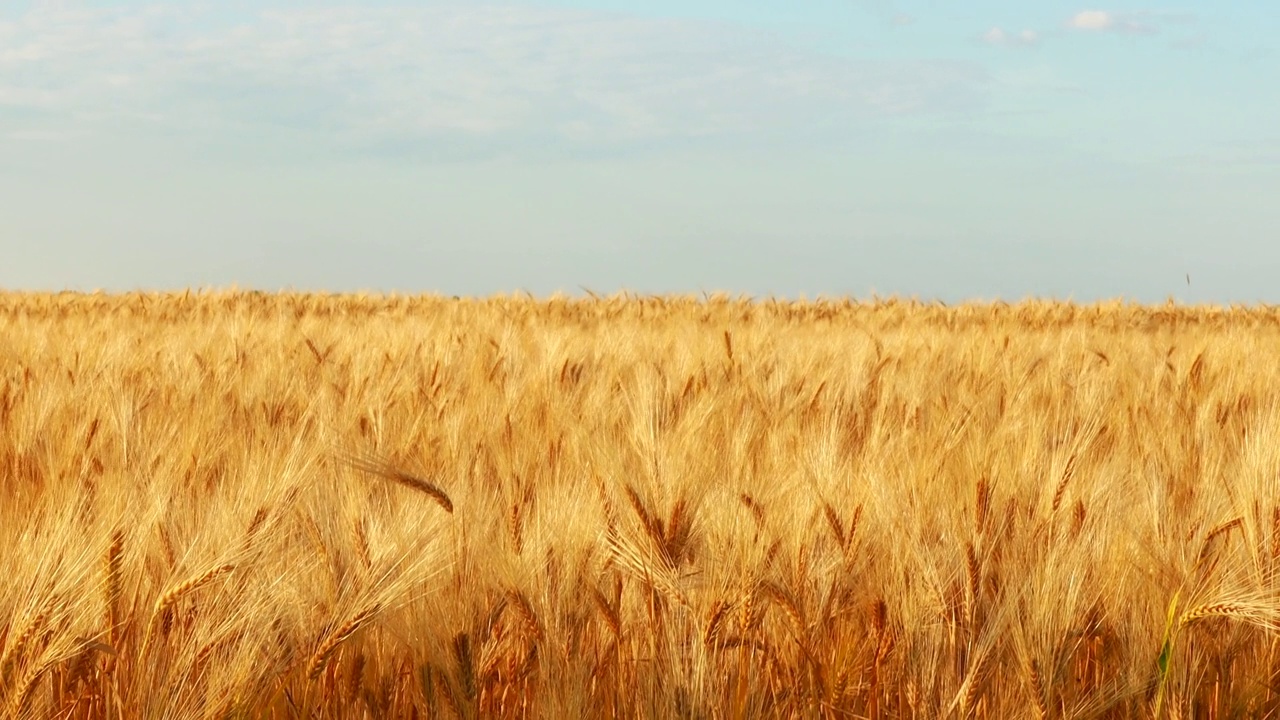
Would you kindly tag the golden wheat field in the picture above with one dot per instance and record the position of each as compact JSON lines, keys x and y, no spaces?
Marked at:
{"x":247,"y":505}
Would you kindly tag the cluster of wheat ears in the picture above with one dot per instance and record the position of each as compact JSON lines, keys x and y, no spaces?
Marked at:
{"x":241,"y":505}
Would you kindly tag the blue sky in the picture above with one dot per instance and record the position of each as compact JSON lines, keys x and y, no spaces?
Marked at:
{"x":943,"y":150}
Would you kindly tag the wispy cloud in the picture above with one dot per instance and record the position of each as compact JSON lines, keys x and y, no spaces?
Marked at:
{"x":998,"y":36}
{"x":462,"y":73}
{"x":1092,"y":20}
{"x":1140,"y":22}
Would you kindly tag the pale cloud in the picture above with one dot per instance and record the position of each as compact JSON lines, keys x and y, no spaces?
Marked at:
{"x":455,"y":74}
{"x":1000,"y":37}
{"x":1141,"y":22}
{"x":1092,"y":20}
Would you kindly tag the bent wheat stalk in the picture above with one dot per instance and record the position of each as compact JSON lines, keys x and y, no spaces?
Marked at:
{"x":330,"y":646}
{"x":387,"y":471}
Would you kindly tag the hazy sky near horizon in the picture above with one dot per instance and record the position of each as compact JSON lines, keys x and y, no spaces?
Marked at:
{"x":984,"y":149}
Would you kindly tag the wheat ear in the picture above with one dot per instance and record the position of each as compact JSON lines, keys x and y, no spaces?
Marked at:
{"x":1250,"y":613}
{"x":413,"y":482}
{"x":112,"y":586}
{"x":607,"y":612}
{"x":167,"y":600}
{"x":330,"y":646}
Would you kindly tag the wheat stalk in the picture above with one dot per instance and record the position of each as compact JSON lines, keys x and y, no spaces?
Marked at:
{"x":607,"y":612}
{"x":833,"y":522}
{"x":753,"y":506}
{"x":181,"y":590}
{"x":1257,"y":614}
{"x":527,"y":618}
{"x":14,"y":650}
{"x":466,"y":664}
{"x":441,"y":681}
{"x":714,"y":620}
{"x":1037,"y":690}
{"x":326,"y":649}
{"x":22,"y":688}
{"x":112,"y":585}
{"x":982,"y":505}
{"x":413,"y":482}
{"x":789,"y":608}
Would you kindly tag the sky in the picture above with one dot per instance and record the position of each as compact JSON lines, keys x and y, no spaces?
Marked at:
{"x":978,"y":150}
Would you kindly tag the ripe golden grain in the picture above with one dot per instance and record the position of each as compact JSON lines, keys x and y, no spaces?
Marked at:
{"x":113,"y":585}
{"x":324,"y":653}
{"x":21,"y":689}
{"x":528,"y":620}
{"x":181,"y":590}
{"x":1230,"y":610}
{"x":787,"y":604}
{"x":714,"y":620}
{"x":1037,"y":690}
{"x":15,"y":649}
{"x":413,"y":482}
{"x":611,"y":618}
{"x":726,"y":424}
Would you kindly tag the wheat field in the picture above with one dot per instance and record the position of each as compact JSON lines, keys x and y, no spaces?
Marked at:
{"x":248,"y":505}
